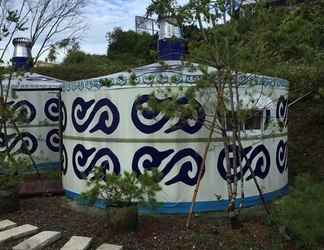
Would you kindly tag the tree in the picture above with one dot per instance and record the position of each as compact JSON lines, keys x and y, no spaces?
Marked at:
{"x":219,"y":47}
{"x":52,"y":19}
{"x":129,"y":45}
{"x":11,"y":22}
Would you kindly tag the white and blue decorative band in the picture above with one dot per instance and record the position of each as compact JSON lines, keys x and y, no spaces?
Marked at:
{"x":166,"y":78}
{"x":200,"y":206}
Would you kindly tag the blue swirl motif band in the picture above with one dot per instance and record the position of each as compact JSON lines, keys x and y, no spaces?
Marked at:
{"x":64,"y":166}
{"x":187,"y":162}
{"x":85,"y":160}
{"x":25,"y":144}
{"x":282,"y":112}
{"x":51,"y":111}
{"x":24,"y":109}
{"x":258,"y":157}
{"x":80,"y":110}
{"x":282,"y":156}
{"x":155,"y":121}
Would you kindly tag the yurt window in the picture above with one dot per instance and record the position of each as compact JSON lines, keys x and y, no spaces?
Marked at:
{"x":254,"y":121}
{"x":257,"y":120}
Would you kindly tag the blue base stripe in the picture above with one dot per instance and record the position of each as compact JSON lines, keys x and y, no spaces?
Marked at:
{"x":200,"y":207}
{"x":46,"y":167}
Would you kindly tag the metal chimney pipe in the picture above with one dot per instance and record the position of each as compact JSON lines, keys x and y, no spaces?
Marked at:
{"x":22,"y":59}
{"x":171,"y":44}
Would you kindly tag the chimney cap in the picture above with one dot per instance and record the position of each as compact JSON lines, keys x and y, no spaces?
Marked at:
{"x":21,"y":40}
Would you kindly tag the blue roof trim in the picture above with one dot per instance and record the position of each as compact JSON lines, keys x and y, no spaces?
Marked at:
{"x":200,"y":207}
{"x":21,"y":63}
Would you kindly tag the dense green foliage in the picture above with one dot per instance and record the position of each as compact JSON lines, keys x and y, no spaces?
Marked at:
{"x":293,"y":40}
{"x":126,"y":49}
{"x":11,"y":169}
{"x":280,"y":42}
{"x":131,"y":46}
{"x":78,"y":71}
{"x":302,"y":212}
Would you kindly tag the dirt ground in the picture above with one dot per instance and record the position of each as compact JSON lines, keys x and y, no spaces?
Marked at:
{"x":209,"y":231}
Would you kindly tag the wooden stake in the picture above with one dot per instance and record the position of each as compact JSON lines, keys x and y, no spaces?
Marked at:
{"x":201,"y":171}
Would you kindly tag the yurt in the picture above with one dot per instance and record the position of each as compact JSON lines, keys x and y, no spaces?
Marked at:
{"x":36,"y":96}
{"x":105,"y":128}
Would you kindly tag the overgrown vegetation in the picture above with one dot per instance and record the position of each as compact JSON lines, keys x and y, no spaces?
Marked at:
{"x":126,"y":50}
{"x":11,"y":171}
{"x":301,"y":212}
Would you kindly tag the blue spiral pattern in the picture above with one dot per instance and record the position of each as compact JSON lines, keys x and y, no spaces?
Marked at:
{"x":155,"y":125}
{"x":26,"y":143}
{"x":282,"y":112}
{"x":80,"y":109}
{"x":258,"y":157}
{"x":158,"y":157}
{"x":64,"y":165}
{"x":24,"y":109}
{"x":282,"y":156}
{"x":53,"y":140}
{"x":83,"y":166}
{"x":51,"y":110}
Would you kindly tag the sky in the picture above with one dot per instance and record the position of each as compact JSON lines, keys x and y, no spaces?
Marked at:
{"x":103,"y":15}
{"x":100,"y":16}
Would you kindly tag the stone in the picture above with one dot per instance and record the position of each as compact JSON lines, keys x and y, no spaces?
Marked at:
{"x":17,"y":232}
{"x":39,"y":241}
{"x":109,"y":247}
{"x":77,"y":243}
{"x":7,"y":224}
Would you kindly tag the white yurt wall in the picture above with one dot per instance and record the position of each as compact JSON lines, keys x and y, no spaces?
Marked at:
{"x":105,"y":128}
{"x":41,"y":130}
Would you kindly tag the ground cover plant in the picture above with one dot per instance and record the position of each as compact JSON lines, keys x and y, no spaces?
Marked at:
{"x":301,"y":212}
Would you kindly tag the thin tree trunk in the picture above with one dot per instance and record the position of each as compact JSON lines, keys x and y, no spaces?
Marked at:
{"x":201,"y":171}
{"x":238,"y":136}
{"x":232,"y":205}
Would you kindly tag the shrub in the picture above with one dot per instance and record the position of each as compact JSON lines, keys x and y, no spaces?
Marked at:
{"x":11,"y":169}
{"x":302,"y":212}
{"x":123,"y":190}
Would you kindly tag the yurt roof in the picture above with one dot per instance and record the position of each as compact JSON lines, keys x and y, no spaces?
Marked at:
{"x":167,"y":72}
{"x":33,"y":80}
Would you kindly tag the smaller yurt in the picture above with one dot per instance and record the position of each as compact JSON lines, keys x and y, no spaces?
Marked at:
{"x":38,"y":97}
